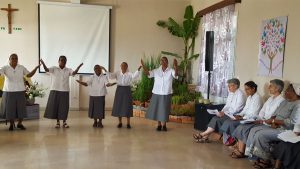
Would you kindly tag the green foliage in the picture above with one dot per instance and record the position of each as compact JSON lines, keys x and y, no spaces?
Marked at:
{"x":188,"y":32}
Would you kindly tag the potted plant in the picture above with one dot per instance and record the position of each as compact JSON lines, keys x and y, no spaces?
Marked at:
{"x":32,"y":91}
{"x":187,"y":31}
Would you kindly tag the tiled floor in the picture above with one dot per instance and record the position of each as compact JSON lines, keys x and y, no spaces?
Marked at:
{"x":84,"y":147}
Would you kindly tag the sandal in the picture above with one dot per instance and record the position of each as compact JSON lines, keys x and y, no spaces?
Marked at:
{"x":202,"y":140}
{"x":237,"y":154}
{"x":57,"y":125}
{"x":65,"y":125}
{"x":262,"y":164}
{"x":197,"y":136}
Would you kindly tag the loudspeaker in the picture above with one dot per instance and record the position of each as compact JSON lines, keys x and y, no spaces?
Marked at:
{"x":209,"y":51}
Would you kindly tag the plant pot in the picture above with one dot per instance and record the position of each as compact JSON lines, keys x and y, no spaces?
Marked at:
{"x":30,"y":101}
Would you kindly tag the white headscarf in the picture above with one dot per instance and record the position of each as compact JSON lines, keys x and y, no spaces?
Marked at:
{"x":296,"y":87}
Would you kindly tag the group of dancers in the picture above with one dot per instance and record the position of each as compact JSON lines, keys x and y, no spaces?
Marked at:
{"x":13,"y":105}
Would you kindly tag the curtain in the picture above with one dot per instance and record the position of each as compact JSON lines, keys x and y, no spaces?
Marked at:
{"x":223,"y":23}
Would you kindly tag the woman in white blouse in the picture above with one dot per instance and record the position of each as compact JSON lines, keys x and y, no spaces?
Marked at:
{"x":160,"y":103}
{"x":250,"y":111}
{"x":123,"y":98}
{"x":58,"y":100}
{"x":13,"y":98}
{"x":234,"y":105}
{"x":97,"y":90}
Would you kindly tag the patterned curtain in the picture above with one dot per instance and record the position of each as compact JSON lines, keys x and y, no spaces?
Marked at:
{"x":223,"y":23}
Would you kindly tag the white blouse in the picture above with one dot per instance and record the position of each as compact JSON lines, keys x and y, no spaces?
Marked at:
{"x":270,"y":107}
{"x":97,"y":85}
{"x":235,"y":102}
{"x":60,"y":78}
{"x":124,"y":79}
{"x":14,"y":78}
{"x":162,"y":80}
{"x":252,"y":107}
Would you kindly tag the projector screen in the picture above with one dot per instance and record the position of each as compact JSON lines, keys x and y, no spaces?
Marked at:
{"x":80,"y":32}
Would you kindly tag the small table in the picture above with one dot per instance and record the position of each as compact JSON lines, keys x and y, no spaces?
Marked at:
{"x":33,"y":111}
{"x":202,"y":117}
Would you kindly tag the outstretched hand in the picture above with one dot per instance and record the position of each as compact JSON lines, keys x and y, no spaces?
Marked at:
{"x":175,"y":64}
{"x":139,"y":68}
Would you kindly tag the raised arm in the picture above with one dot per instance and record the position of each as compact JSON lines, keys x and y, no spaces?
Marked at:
{"x":44,"y":65}
{"x":146,"y":71}
{"x":30,"y":74}
{"x":175,"y":67}
{"x":77,"y":69}
{"x":82,"y":83}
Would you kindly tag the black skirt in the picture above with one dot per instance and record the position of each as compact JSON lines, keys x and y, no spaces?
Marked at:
{"x":289,"y":154}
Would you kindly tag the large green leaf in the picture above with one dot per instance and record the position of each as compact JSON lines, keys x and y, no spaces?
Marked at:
{"x":171,"y":54}
{"x":189,"y":14}
{"x":161,"y":23}
{"x":175,"y":28}
{"x":188,"y":28}
{"x":194,"y":57}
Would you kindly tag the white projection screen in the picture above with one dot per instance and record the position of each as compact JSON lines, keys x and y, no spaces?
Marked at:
{"x":78,"y":31}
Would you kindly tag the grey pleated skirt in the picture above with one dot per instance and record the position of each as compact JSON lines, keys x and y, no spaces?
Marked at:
{"x":217,"y":122}
{"x":229,"y":126}
{"x":242,"y":132}
{"x":13,"y":105}
{"x":123,"y":102}
{"x":57,"y":105}
{"x":159,"y":108}
{"x":97,"y":107}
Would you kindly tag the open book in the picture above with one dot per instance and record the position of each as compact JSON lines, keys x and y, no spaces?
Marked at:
{"x":216,"y":112}
{"x":289,"y":136}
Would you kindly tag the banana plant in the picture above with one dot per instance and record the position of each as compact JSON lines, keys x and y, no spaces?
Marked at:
{"x":187,"y":31}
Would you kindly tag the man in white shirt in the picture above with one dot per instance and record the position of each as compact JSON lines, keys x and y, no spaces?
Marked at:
{"x":13,"y":98}
{"x":160,"y":103}
{"x":234,"y":105}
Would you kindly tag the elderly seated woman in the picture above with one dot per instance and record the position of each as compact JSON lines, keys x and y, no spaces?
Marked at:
{"x":287,"y":154}
{"x":250,"y":111}
{"x":261,"y":138}
{"x":271,"y":105}
{"x":234,"y":104}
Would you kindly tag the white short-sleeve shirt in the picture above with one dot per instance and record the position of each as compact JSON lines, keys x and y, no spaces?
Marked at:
{"x":124,"y":79}
{"x":235,"y":102}
{"x":14,"y":78}
{"x":162,"y":80}
{"x":253,"y":105}
{"x":60,"y":78}
{"x":97,"y":85}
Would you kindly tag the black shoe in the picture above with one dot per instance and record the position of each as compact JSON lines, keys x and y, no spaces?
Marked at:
{"x":165,"y":128}
{"x":100,"y":125}
{"x":11,"y":128}
{"x":119,"y":125}
{"x":128,"y":126}
{"x":95,"y":124}
{"x":20,"y":126}
{"x":158,"y":128}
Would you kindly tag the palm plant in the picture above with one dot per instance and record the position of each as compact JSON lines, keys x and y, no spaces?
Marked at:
{"x":188,"y":32}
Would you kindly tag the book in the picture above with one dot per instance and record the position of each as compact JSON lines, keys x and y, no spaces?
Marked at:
{"x":289,"y":136}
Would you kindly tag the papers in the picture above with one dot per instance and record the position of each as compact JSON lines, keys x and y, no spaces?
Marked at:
{"x":247,"y":121}
{"x":216,"y":112}
{"x":289,"y":136}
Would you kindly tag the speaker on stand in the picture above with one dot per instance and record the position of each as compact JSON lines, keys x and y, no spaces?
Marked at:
{"x":209,"y":52}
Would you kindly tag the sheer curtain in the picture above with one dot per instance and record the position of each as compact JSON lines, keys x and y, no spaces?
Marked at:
{"x":223,"y":23}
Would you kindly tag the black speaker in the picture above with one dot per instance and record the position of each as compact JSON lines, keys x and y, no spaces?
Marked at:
{"x":209,"y":51}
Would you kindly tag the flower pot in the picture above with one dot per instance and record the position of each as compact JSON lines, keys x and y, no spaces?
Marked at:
{"x":30,"y":101}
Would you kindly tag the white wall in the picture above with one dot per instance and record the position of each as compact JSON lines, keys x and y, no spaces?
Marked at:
{"x":250,"y":15}
{"x":133,"y":34}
